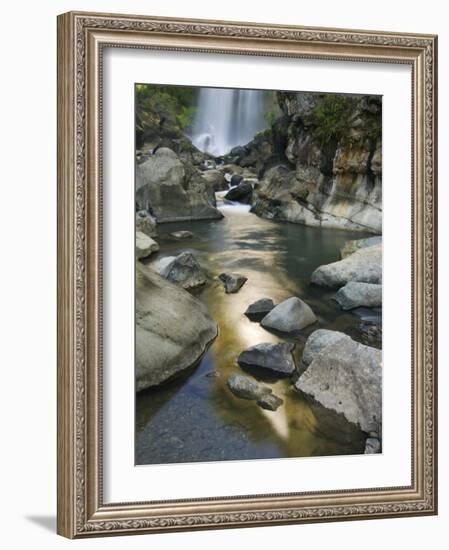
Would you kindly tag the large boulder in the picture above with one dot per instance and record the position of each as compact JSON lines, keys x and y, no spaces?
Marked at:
{"x":354,"y":295}
{"x":242,"y":193}
{"x":259,"y":309}
{"x":275,"y":358}
{"x":232,"y":282}
{"x":216,"y":179}
{"x":351,"y":246}
{"x":145,"y":246}
{"x":173,"y":329}
{"x":183,"y":270}
{"x":346,"y":377}
{"x":289,"y":316}
{"x":172,"y":190}
{"x":364,"y":266}
{"x":318,"y":340}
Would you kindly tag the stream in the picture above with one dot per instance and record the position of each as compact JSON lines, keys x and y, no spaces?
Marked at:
{"x":195,"y":418}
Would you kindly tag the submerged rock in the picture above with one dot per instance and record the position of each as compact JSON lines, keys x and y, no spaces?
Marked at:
{"x":346,"y":376}
{"x":246,"y":388}
{"x":173,"y":329}
{"x":181,"y":234}
{"x":290,"y":315}
{"x":355,"y":294}
{"x":270,"y":402}
{"x":232,"y":282}
{"x":145,"y":245}
{"x":352,"y":246}
{"x":364,"y":266}
{"x":257,"y":310}
{"x":183,"y":270}
{"x":276,"y":358}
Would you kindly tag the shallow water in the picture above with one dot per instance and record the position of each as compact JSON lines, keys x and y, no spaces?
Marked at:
{"x":196,"y":417}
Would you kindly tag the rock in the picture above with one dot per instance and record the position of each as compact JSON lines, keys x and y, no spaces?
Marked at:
{"x":369,"y":333}
{"x":145,"y":223}
{"x":355,"y":294}
{"x":372,"y":446}
{"x":246,"y":388}
{"x":173,"y":329}
{"x":173,"y":190}
{"x":346,"y":377}
{"x":181,"y":234}
{"x":351,"y":246}
{"x":145,"y":245}
{"x":270,"y":402}
{"x":257,"y":310}
{"x":235,"y":180}
{"x":232,"y":282}
{"x":183,"y":270}
{"x":231,"y":169}
{"x":276,"y":358}
{"x":290,"y":315}
{"x":216,"y":179}
{"x":318,"y":340}
{"x":364,"y":266}
{"x":242,"y":193}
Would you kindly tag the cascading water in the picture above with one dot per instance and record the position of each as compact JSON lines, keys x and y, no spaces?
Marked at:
{"x":227,"y":118}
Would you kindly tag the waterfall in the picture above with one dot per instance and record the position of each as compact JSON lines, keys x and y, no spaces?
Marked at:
{"x":226,"y":118}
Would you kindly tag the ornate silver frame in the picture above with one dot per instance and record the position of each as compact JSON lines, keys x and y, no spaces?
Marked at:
{"x":81,"y":38}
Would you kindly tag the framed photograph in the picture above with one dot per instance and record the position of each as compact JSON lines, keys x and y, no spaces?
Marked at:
{"x":239,"y":345}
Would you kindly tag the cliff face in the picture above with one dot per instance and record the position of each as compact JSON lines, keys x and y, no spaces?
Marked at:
{"x":331,"y":171}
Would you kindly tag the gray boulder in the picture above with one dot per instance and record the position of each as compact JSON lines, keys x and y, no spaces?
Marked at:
{"x":216,"y":179}
{"x":173,"y":329}
{"x":352,"y":246}
{"x":145,"y":223}
{"x":183,"y":270}
{"x":173,"y":190}
{"x":232,"y":282}
{"x":347,"y":377}
{"x":276,"y":358}
{"x":364,"y":266}
{"x":270,"y":402}
{"x":290,"y":315}
{"x":372,"y":446}
{"x":145,"y":246}
{"x":246,"y":388}
{"x":355,"y":294}
{"x":318,"y":340}
{"x":242,"y":193}
{"x":258,"y":310}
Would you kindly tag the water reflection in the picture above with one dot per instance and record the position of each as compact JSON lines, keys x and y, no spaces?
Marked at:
{"x":196,"y":417}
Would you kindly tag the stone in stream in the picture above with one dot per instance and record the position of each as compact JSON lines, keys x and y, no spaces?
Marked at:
{"x":372,"y":446}
{"x":270,"y":402}
{"x":183,"y":270}
{"x":182,"y":234}
{"x":355,"y":294}
{"x":246,"y":388}
{"x":346,"y":377}
{"x":318,"y":340}
{"x":145,"y":245}
{"x":243,"y":193}
{"x":145,"y":223}
{"x":257,"y":310}
{"x":363,"y":266}
{"x":161,"y":352}
{"x":275,"y":358}
{"x":290,"y":315}
{"x":232,"y":282}
{"x":352,"y":246}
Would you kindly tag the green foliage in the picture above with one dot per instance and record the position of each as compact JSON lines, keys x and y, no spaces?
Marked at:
{"x":272,"y":110}
{"x":163,"y":110}
{"x":330,"y":117}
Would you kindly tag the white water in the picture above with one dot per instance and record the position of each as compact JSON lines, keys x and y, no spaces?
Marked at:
{"x":227,"y":118}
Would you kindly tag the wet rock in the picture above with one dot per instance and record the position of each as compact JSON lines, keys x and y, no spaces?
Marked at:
{"x":270,"y":402}
{"x":275,"y":358}
{"x":346,"y":377}
{"x":161,"y":352}
{"x":145,"y":246}
{"x":232,"y":282}
{"x":184,"y":270}
{"x":235,"y":180}
{"x":181,"y":234}
{"x":318,"y":340}
{"x":372,"y":446}
{"x":290,"y":315}
{"x":145,"y":223}
{"x":369,"y":333}
{"x":246,"y":388}
{"x":364,"y":266}
{"x":257,"y":310}
{"x":355,"y":294}
{"x":242,"y":193}
{"x":352,"y":246}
